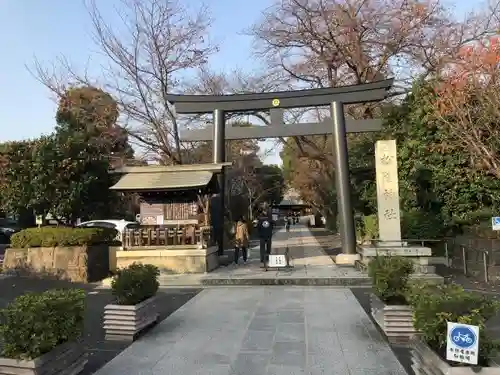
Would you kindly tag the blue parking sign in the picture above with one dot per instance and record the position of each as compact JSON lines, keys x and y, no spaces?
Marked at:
{"x":495,"y":223}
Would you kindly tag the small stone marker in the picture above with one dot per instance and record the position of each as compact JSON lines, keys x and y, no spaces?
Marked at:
{"x":276,"y":261}
{"x":386,"y":167}
{"x":462,"y":343}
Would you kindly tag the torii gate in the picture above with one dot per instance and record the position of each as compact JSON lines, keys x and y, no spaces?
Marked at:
{"x":275,"y":102}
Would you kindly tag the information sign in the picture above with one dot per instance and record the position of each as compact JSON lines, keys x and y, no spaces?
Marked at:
{"x":462,"y":343}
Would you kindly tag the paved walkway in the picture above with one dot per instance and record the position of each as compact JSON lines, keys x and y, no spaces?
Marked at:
{"x":262,"y":331}
{"x":308,"y":258}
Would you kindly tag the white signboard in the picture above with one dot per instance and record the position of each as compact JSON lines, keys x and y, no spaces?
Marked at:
{"x":277,"y":261}
{"x":495,"y":223}
{"x":39,"y":219}
{"x":462,"y":343}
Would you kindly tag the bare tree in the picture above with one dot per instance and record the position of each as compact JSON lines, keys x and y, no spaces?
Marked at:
{"x":158,"y":43}
{"x":329,"y":43}
{"x":325,"y":43}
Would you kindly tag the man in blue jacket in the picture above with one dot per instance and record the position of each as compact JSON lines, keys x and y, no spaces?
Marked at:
{"x":265,"y":230}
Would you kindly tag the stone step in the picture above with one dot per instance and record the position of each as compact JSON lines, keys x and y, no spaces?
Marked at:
{"x":390,"y":327}
{"x":303,"y":281}
{"x":396,"y":319}
{"x":200,"y":281}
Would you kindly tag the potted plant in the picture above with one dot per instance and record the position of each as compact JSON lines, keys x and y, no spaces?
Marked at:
{"x":434,"y":306}
{"x":390,"y":276}
{"x":41,"y":333}
{"x":134,"y":289}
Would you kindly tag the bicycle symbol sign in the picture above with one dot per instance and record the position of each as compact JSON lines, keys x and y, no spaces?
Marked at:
{"x":463,"y":337}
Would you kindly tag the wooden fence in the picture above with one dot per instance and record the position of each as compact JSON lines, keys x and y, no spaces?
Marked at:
{"x":166,"y":236}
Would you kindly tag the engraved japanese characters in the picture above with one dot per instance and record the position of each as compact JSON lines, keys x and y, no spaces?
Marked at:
{"x":387,"y":191}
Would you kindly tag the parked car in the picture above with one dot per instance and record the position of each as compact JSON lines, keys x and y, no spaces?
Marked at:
{"x":7,"y":228}
{"x":5,"y":234}
{"x":119,"y":225}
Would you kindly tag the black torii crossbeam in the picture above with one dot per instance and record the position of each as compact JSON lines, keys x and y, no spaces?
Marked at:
{"x":276,"y":130}
{"x":275,"y":102}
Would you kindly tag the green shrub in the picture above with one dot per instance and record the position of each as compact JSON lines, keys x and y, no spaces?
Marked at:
{"x":135,"y":284}
{"x":61,"y":236}
{"x":390,"y":276}
{"x":417,"y":224}
{"x":435,"y":305}
{"x":34,"y":324}
{"x":366,"y":227}
{"x":370,"y":225}
{"x":482,"y":230}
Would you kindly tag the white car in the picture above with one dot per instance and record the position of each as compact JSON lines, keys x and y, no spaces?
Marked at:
{"x":119,"y":225}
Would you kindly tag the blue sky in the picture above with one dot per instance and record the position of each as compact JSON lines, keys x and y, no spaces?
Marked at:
{"x":49,"y":28}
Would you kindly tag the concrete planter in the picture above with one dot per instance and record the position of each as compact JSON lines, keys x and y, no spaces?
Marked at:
{"x":66,"y":359}
{"x":395,"y":320}
{"x":426,"y":362}
{"x":125,"y":322}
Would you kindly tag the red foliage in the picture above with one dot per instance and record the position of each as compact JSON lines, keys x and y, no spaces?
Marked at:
{"x":476,"y":68}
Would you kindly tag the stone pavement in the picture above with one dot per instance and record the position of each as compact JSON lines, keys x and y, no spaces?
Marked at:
{"x":312,"y":266}
{"x":262,"y":331}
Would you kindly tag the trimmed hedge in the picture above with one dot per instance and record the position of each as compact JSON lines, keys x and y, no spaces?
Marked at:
{"x":61,"y":236}
{"x":135,"y":283}
{"x":34,"y":324}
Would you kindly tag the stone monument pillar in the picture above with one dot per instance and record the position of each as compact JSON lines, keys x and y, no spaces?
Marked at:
{"x":386,"y":167}
{"x":389,"y":217}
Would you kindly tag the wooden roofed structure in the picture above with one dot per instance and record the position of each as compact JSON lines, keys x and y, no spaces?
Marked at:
{"x":171,"y":198}
{"x":291,"y":202}
{"x":159,"y":178}
{"x":175,"y":231}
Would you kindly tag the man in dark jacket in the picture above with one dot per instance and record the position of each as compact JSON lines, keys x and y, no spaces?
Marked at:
{"x":265,"y":230}
{"x":288,"y":223}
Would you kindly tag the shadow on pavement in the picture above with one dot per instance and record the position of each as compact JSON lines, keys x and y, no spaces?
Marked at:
{"x":402,"y":354}
{"x":99,"y":351}
{"x":328,"y":241}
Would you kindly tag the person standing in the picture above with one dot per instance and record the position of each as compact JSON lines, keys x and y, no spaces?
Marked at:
{"x":241,"y":239}
{"x":265,"y":230}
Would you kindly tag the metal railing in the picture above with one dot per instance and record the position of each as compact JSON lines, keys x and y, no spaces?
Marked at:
{"x":470,"y":260}
{"x":483,"y":259}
